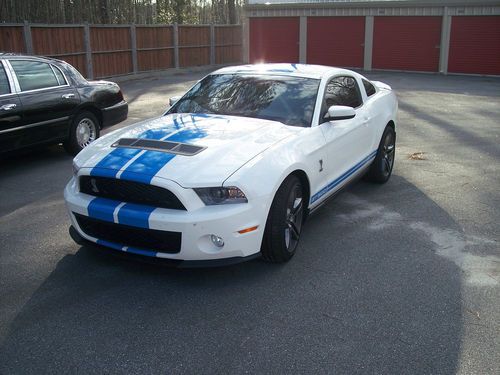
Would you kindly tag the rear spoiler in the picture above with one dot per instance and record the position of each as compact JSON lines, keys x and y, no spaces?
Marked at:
{"x":381,"y":85}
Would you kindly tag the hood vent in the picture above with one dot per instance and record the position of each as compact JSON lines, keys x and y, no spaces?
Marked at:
{"x":162,"y":146}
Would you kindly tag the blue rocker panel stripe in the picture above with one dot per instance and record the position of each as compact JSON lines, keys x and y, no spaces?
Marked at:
{"x":342,"y":177}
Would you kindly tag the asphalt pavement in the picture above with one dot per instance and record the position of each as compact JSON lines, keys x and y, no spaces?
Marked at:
{"x":402,"y":278}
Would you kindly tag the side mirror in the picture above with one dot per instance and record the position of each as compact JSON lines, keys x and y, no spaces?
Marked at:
{"x":340,"y":112}
{"x":173,"y":100}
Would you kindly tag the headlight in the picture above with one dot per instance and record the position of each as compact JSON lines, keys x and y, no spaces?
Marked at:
{"x":76,"y":168}
{"x":221,"y":195}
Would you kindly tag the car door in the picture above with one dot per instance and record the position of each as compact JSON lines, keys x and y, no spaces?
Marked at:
{"x":11,"y":115}
{"x":349,"y":140}
{"x":47,"y":98}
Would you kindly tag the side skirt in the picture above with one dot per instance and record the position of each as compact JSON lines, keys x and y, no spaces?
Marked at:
{"x":350,"y":181}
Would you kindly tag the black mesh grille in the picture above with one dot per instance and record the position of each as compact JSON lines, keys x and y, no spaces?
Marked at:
{"x":148,"y":239}
{"x":129,"y":191}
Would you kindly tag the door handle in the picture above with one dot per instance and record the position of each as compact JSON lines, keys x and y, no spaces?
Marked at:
{"x":68,"y":96}
{"x":8,"y":107}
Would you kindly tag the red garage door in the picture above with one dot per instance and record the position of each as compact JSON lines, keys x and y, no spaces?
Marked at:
{"x":475,"y":45}
{"x":407,"y":43}
{"x":274,"y":39}
{"x":336,"y":41}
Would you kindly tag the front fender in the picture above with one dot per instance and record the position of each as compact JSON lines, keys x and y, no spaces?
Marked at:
{"x":262,"y":176}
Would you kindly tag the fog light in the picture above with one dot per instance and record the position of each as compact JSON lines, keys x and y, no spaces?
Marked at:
{"x":216,"y":240}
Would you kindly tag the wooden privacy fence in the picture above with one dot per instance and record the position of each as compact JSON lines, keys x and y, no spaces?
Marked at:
{"x":110,"y":50}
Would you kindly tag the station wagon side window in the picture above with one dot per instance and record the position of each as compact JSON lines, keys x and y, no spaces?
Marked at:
{"x":343,"y":90}
{"x":34,"y":75}
{"x":369,"y":88}
{"x":4,"y":82}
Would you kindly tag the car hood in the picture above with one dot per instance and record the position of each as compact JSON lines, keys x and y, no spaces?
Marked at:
{"x":228,"y":141}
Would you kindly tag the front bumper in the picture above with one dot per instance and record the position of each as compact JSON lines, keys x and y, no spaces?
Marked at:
{"x":196,"y":225}
{"x":115,"y":114}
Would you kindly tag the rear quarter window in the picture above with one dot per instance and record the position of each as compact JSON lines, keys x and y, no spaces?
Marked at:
{"x":369,"y":88}
{"x":4,"y":82}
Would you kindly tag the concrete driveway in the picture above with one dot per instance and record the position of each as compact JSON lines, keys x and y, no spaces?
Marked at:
{"x":393,"y":279}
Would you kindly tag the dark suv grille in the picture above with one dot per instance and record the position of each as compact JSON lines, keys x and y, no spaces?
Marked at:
{"x":130,"y":191}
{"x":148,"y":239}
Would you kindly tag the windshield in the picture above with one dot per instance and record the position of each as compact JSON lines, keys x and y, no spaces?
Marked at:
{"x":289,"y":100}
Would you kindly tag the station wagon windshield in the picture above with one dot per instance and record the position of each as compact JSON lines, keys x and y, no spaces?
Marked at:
{"x":289,"y":100}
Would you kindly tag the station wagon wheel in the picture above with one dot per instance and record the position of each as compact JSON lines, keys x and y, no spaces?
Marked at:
{"x":381,"y":169}
{"x":284,"y":222}
{"x":84,"y":130}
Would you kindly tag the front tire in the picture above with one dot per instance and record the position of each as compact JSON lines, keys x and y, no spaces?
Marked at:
{"x":284,"y":223}
{"x":381,"y":169}
{"x":84,"y":130}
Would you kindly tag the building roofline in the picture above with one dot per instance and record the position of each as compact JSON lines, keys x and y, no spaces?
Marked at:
{"x":374,"y":4}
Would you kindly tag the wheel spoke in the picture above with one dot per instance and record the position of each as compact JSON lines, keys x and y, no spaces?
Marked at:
{"x":387,"y":164}
{"x":297,"y":206}
{"x":293,"y":230}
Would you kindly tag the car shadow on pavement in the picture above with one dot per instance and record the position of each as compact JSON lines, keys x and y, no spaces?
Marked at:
{"x":367,"y":292}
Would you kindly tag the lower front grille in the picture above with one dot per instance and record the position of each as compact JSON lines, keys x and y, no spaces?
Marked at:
{"x":149,"y":239}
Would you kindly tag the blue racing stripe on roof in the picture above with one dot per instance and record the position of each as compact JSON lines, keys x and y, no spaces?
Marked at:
{"x":136,"y":215}
{"x":102,"y":209}
{"x":342,"y":177}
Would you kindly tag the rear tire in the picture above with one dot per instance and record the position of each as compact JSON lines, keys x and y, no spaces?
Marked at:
{"x":284,"y":222}
{"x":84,"y":130}
{"x":381,"y":168}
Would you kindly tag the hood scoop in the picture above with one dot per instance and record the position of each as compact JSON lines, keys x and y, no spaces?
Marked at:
{"x":162,"y":146}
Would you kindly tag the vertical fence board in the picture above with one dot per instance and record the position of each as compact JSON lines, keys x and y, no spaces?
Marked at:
{"x":12,"y":39}
{"x":228,"y":44}
{"x":153,"y":37}
{"x":155,"y":47}
{"x":189,"y":37}
{"x":107,"y":49}
{"x":111,"y":51}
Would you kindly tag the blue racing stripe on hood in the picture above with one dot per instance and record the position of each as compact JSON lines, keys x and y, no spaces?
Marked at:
{"x":102,"y":209}
{"x":113,"y":162}
{"x":118,"y":157}
{"x":146,"y":166}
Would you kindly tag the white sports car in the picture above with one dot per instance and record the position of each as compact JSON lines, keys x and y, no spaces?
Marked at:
{"x":233,"y":168}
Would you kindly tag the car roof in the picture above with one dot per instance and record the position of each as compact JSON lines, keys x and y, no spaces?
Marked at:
{"x":297,"y":70}
{"x":8,"y":56}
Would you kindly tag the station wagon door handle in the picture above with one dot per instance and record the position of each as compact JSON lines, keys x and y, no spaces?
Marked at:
{"x":68,"y":96}
{"x":8,"y":107}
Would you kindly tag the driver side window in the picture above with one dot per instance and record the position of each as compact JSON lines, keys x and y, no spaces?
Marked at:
{"x":342,"y":90}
